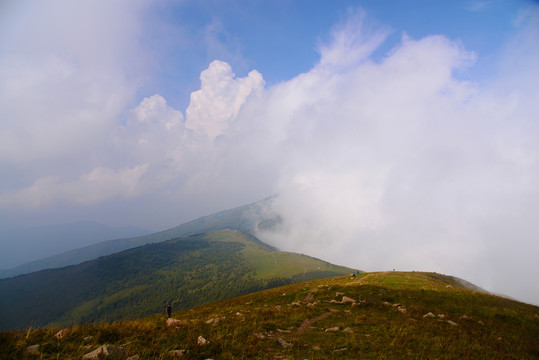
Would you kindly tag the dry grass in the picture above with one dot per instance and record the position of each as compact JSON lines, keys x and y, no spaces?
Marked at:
{"x":250,"y":327}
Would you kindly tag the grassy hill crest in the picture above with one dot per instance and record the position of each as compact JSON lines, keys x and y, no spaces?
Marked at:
{"x":390,"y":315}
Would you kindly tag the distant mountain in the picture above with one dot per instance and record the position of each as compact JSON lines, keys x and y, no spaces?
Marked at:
{"x":244,"y":218}
{"x":188,"y":271}
{"x":19,"y":246}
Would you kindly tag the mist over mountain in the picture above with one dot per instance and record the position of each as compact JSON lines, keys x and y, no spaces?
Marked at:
{"x":18,"y":246}
{"x":248,"y":218}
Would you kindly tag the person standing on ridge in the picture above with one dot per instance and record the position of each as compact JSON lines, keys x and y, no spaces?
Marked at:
{"x":169,"y":310}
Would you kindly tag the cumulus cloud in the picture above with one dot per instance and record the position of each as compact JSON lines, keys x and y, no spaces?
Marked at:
{"x":219,"y":99}
{"x":396,"y":163}
{"x":399,"y":164}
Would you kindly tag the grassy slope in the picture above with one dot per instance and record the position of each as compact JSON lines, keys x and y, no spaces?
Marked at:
{"x":269,"y":264}
{"x":487,"y":326}
{"x":187,"y":272}
{"x":243,"y":218}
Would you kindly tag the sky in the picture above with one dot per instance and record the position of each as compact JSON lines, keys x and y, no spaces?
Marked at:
{"x":397,"y":134}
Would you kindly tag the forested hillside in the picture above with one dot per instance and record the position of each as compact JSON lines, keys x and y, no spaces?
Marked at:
{"x":243,"y":218}
{"x":138,"y":282}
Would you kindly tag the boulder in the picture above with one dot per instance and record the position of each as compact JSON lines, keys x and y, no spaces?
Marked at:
{"x":105,"y":351}
{"x":33,"y":349}
{"x":284,"y":343}
{"x":174,"y":322}
{"x":61,"y":334}
{"x":212,"y":321}
{"x":201,"y":341}
{"x":177,"y":353}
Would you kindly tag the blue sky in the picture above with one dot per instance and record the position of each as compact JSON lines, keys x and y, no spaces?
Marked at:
{"x":398,"y":134}
{"x":280,"y":38}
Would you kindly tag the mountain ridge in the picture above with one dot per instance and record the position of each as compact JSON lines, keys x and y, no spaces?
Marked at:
{"x":187,"y":271}
{"x":244,"y":218}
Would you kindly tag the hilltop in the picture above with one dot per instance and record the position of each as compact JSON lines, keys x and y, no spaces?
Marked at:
{"x":187,"y":271}
{"x":244,"y":218}
{"x":388,"y":315}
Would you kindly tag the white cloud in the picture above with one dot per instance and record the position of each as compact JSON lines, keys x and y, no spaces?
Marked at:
{"x":219,"y":99}
{"x":93,"y":187}
{"x":66,"y":74}
{"x":378,"y":165}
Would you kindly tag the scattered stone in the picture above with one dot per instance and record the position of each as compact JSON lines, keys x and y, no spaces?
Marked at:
{"x":284,"y":331}
{"x":317,"y":348}
{"x":452,"y":323}
{"x":88,"y":338}
{"x":334,"y":301}
{"x":333,"y":329}
{"x":429,"y":314}
{"x":465,"y":317}
{"x":177,"y":353}
{"x":134,"y":357}
{"x":348,"y":330}
{"x":295,"y":303}
{"x":284,"y":294}
{"x":212,"y":321}
{"x":386,"y":303}
{"x":412,"y":319}
{"x":441,"y":316}
{"x":201,"y":341}
{"x":62,"y":334}
{"x":309,"y":296}
{"x":175,"y":322}
{"x":480,"y":322}
{"x":259,"y":335}
{"x":239,"y":314}
{"x":396,"y":305}
{"x":348,"y":311}
{"x":284,"y":343}
{"x":105,"y":351}
{"x":449,"y":287}
{"x":278,"y":307}
{"x":402,"y":310}
{"x":341,"y":349}
{"x":346,"y":299}
{"x":33,"y":349}
{"x":337,"y":294}
{"x":311,"y":305}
